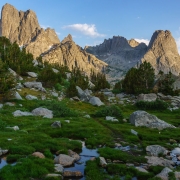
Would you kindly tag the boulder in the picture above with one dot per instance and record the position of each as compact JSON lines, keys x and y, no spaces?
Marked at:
{"x":15,"y":128}
{"x":176,"y":151}
{"x":164,"y":173}
{"x":64,"y":160}
{"x":142,"y":118}
{"x":12,"y":72}
{"x":141,"y":169}
{"x":155,"y":150}
{"x":54,"y":94}
{"x":68,"y":121}
{"x":82,"y":95}
{"x":55,"y":70}
{"x":32,"y":74}
{"x":87,"y":116}
{"x":9,"y":104}
{"x":1,"y":106}
{"x":17,"y":96}
{"x":96,"y":101}
{"x":58,"y":168}
{"x":74,"y":155}
{"x":30,"y":97}
{"x":159,"y":161}
{"x":56,"y":124}
{"x":72,"y":174}
{"x":113,"y":119}
{"x":43,"y":112}
{"x":103,"y":162}
{"x":39,"y":155}
{"x":75,"y":98}
{"x":147,"y":97}
{"x":20,"y":113}
{"x":134,"y":132}
{"x":36,"y":85}
{"x":19,"y":86}
{"x":2,"y":152}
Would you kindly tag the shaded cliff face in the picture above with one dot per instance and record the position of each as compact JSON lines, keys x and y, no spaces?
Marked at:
{"x":119,"y":53}
{"x":23,"y":27}
{"x":163,"y":53}
{"x":72,"y":55}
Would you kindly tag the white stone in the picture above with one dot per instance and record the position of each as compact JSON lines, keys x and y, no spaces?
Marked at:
{"x":32,"y":74}
{"x":42,"y":112}
{"x":96,"y":101}
{"x":30,"y":97}
{"x":20,"y":113}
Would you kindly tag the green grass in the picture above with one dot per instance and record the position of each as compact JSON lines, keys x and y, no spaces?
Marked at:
{"x":36,"y":134}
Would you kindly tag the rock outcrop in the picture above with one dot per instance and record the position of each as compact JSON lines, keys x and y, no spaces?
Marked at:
{"x":163,"y":53}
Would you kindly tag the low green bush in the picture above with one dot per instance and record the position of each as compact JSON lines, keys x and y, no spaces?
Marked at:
{"x":27,"y":168}
{"x":112,"y":110}
{"x":11,"y":158}
{"x":22,"y":150}
{"x":154,"y":105}
{"x":115,"y":154}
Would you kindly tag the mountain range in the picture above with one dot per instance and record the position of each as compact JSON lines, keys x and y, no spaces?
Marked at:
{"x":114,"y":56}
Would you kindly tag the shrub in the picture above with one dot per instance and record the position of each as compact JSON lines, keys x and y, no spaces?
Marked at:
{"x":112,"y":110}
{"x":27,"y":168}
{"x":22,"y":150}
{"x":154,"y":105}
{"x":13,"y":158}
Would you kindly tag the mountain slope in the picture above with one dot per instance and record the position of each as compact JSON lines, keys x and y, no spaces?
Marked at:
{"x":163,"y":53}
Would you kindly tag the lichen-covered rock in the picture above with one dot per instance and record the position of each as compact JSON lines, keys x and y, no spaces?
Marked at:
{"x":164,"y":174}
{"x":46,"y":113}
{"x":142,"y":118}
{"x":155,"y":150}
{"x":64,"y":160}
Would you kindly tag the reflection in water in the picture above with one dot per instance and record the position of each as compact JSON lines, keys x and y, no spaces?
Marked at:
{"x":86,"y":155}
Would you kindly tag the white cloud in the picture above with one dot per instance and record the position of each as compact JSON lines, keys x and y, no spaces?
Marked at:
{"x":146,"y":41}
{"x":86,"y":29}
{"x":178,"y":43}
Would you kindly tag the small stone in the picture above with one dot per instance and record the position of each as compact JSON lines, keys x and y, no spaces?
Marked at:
{"x":39,"y":155}
{"x":56,"y":124}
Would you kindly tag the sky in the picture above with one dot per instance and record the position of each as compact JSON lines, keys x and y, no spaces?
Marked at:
{"x":91,"y":21}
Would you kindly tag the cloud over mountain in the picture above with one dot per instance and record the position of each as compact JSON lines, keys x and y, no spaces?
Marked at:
{"x":86,"y":29}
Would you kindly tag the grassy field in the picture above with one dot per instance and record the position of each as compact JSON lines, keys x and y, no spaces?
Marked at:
{"x":36,"y":134}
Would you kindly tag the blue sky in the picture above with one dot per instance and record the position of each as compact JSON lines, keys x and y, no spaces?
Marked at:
{"x":92,"y":21}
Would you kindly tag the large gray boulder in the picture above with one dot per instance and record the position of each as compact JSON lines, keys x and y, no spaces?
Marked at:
{"x":159,"y":161}
{"x":82,"y":94}
{"x":21,"y":113}
{"x":42,"y":112}
{"x":155,"y":150}
{"x":96,"y":101}
{"x":142,"y":118}
{"x":147,"y":97}
{"x":36,"y":85}
{"x":64,"y":160}
{"x":164,"y":173}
